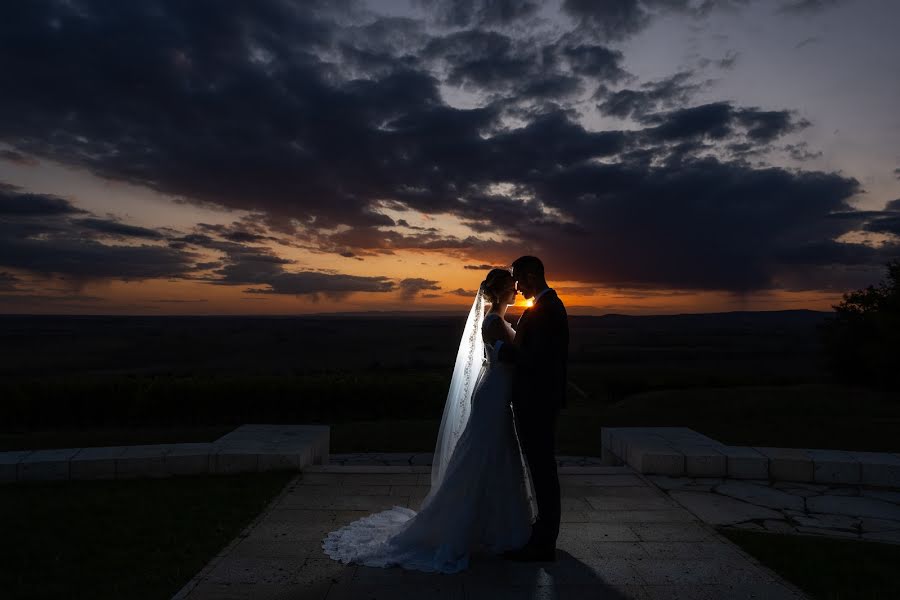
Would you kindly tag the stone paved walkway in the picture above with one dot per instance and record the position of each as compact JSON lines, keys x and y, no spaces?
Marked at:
{"x":621,"y":538}
{"x":834,"y":510}
{"x":425,"y":458}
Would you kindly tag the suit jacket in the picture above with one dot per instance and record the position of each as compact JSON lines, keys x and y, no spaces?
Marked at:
{"x":540,"y":355}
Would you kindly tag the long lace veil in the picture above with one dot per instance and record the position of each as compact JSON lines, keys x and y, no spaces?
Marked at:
{"x":466,"y":371}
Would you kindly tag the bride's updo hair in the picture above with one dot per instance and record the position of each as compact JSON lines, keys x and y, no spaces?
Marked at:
{"x":493,"y":284}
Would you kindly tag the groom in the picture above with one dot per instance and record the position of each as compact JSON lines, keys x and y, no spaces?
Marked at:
{"x":538,"y":392}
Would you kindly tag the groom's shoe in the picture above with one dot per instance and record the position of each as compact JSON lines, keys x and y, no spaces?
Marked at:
{"x":532,"y":553}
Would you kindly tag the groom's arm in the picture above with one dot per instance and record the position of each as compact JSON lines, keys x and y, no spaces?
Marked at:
{"x":540,"y":329}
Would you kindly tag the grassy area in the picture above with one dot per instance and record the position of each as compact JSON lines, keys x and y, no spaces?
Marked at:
{"x":792,"y":416}
{"x":124,"y":401}
{"x":800,"y":416}
{"x":825,"y":568}
{"x":121,"y":539}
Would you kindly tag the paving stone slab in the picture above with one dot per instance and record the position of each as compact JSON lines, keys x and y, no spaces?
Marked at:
{"x":278,"y":556}
{"x":600,"y":480}
{"x":760,"y":495}
{"x":597,"y":532}
{"x":873,"y":525}
{"x":886,"y":495}
{"x":595,"y":470}
{"x":853,"y":506}
{"x":823,"y":521}
{"x":671,"y":532}
{"x":722,"y":510}
{"x":660,"y":571}
{"x":618,"y":503}
{"x":691,"y":550}
{"x":671,"y":515}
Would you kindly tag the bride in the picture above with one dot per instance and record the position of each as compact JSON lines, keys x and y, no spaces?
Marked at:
{"x":481,"y":497}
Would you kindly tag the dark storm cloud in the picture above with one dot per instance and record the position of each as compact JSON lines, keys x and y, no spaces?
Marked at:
{"x":487,"y":59}
{"x":87,"y":259}
{"x":800,"y":151}
{"x":17,"y":158}
{"x":60,"y":301}
{"x":412,"y":286}
{"x":703,"y":224}
{"x":277,"y":109}
{"x":805,"y":7}
{"x":670,"y":92}
{"x":226,"y":106}
{"x":8,"y":281}
{"x":258,"y":265}
{"x":729,"y":61}
{"x":17,"y":203}
{"x":462,"y":292}
{"x":462,"y":13}
{"x":719,"y":120}
{"x":596,"y":61}
{"x":118,"y":229}
{"x":309,"y":283}
{"x":619,"y":19}
{"x":40,"y":233}
{"x":887,"y":221}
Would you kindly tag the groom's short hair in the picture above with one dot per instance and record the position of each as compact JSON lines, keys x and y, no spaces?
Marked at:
{"x":525,"y":265}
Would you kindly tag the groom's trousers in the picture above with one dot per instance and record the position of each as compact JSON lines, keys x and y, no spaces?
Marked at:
{"x":538,"y":439}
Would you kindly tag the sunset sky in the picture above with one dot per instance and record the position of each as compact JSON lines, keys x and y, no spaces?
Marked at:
{"x":278,"y":157}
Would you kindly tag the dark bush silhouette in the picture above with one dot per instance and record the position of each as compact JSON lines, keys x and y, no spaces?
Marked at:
{"x":862,"y":339}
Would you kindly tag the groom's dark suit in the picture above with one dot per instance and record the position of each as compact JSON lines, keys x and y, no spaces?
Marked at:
{"x":538,"y":392}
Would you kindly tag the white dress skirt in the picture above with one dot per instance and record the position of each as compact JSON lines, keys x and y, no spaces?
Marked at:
{"x":485,"y":501}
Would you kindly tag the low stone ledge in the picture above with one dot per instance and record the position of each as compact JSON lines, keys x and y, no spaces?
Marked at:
{"x":142,"y":462}
{"x":789,"y":464}
{"x":835,"y":466}
{"x":879,"y":468}
{"x":655,"y":458}
{"x":95,"y":463}
{"x":9,"y":464}
{"x":680,"y":451}
{"x":703,"y":460}
{"x":248,"y":448}
{"x":743,"y":462}
{"x":188,"y":459}
{"x":46,"y":465}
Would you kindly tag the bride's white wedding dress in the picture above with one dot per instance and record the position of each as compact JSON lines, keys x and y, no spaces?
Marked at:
{"x":485,"y":501}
